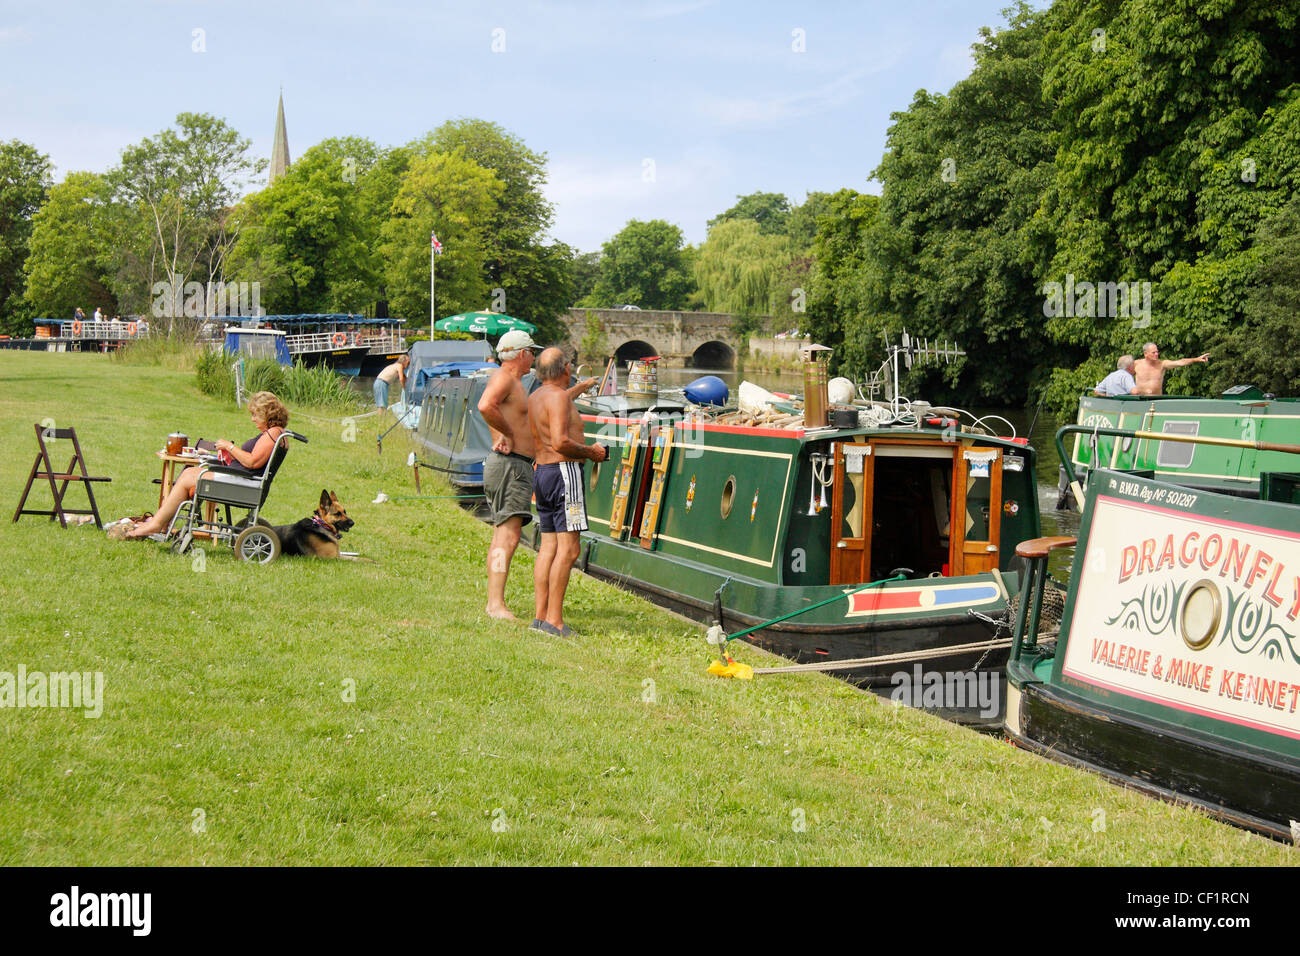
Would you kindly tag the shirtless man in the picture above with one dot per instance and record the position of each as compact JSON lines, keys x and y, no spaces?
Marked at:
{"x":1149,"y":370}
{"x":508,"y":470}
{"x":561,"y":507}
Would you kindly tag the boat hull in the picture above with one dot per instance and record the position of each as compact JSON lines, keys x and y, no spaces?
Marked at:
{"x":1176,"y":669}
{"x":344,"y":361}
{"x":1246,"y":787}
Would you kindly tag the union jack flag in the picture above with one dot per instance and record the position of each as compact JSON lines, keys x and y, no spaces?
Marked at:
{"x":437,"y":246}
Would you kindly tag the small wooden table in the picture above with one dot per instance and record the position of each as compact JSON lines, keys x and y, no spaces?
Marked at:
{"x":169,"y":463}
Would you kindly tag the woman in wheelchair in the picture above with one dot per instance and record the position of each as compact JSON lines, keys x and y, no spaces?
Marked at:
{"x":269,"y":415}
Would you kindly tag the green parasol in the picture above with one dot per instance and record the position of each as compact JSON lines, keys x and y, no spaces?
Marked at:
{"x":483,"y":323}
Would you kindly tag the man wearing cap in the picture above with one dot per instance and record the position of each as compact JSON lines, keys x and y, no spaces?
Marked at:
{"x":508,"y":470}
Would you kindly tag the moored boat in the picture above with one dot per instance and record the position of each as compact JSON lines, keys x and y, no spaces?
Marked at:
{"x":1241,"y":413}
{"x":740,"y":524}
{"x":1176,"y":669}
{"x":445,"y":380}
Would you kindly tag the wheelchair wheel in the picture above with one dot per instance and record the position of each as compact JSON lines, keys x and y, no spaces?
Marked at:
{"x":242,"y":523}
{"x":182,"y":543}
{"x":258,"y":544}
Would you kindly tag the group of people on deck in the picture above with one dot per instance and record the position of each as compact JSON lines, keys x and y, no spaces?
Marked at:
{"x":1144,"y":376}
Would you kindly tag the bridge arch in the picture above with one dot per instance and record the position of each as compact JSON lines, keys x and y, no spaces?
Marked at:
{"x":632,"y":350}
{"x":714,"y":354}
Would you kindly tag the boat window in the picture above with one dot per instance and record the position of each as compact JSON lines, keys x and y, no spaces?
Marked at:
{"x":851,"y":520}
{"x":728,"y":495}
{"x":1177,"y":454}
{"x":978,"y":490}
{"x":257,"y":346}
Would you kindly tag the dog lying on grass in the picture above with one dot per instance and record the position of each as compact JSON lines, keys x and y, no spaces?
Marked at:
{"x":317,"y":536}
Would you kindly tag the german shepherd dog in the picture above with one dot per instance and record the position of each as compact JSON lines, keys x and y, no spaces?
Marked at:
{"x":317,"y":536}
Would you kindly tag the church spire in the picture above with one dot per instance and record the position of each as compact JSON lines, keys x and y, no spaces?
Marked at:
{"x":280,"y":148}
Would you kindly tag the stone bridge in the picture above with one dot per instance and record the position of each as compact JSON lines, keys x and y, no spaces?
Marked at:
{"x":682,"y":339}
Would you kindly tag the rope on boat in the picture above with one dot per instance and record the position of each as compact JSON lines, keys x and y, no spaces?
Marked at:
{"x":903,"y":657}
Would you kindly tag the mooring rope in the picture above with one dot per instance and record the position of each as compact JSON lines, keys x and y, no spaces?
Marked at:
{"x":904,"y":657}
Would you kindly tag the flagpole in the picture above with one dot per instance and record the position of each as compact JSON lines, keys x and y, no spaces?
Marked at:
{"x":433,"y":279}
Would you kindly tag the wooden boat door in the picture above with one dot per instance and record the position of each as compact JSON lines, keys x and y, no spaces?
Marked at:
{"x":976,"y":511}
{"x":853,"y":490}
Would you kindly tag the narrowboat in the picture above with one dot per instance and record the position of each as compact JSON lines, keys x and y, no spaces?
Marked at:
{"x":740,"y":524}
{"x":445,"y":380}
{"x":1243,"y":413}
{"x":1176,"y":666}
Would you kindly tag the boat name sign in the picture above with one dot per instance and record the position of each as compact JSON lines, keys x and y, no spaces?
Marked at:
{"x":1190,"y":612}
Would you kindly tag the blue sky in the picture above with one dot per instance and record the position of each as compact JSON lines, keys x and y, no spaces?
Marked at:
{"x":665,"y":109}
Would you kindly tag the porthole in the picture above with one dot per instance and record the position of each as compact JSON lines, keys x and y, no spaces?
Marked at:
{"x":1200,"y":615}
{"x":728,"y":495}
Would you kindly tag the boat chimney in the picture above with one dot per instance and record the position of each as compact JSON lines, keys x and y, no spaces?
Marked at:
{"x":816,"y":361}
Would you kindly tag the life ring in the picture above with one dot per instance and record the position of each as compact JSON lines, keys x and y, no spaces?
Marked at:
{"x":130,"y":328}
{"x":340,"y":339}
{"x":76,"y":327}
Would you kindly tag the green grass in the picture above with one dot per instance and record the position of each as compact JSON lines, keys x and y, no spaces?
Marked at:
{"x":224,"y":693}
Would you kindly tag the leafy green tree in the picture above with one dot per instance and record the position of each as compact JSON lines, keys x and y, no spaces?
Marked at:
{"x":69,"y":249}
{"x":645,"y":265}
{"x":24,"y":185}
{"x":457,"y":196}
{"x":312,"y":237}
{"x":1264,"y":349}
{"x":770,"y":210}
{"x":738,"y":271}
{"x":801,"y":227}
{"x":952,"y":252}
{"x":534,"y":275}
{"x":586,"y":272}
{"x":836,"y":295}
{"x":179,"y":188}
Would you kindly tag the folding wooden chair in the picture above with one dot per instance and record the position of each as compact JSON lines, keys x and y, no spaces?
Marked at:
{"x":43,"y":468}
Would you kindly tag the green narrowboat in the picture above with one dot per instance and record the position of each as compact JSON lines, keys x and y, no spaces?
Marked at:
{"x":1176,"y":668}
{"x":742,"y":524}
{"x":1243,"y":413}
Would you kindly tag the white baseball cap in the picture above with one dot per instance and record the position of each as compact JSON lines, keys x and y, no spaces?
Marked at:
{"x":514,"y":341}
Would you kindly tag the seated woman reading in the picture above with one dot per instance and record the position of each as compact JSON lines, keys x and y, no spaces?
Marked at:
{"x":270,"y":416}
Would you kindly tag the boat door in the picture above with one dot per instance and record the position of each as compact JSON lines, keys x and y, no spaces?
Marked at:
{"x":851,"y":513}
{"x":977,"y":511}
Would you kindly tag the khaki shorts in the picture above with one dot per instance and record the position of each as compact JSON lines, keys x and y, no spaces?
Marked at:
{"x":508,"y":486}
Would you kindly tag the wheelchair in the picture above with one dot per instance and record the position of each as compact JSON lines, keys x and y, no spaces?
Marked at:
{"x":218,"y":486}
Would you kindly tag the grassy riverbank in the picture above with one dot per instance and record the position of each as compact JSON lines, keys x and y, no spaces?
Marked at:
{"x":229,"y":734}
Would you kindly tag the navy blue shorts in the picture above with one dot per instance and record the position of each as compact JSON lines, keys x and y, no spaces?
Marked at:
{"x":561,"y":506}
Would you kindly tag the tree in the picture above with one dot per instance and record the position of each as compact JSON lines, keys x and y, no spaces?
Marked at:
{"x":24,"y":185}
{"x":801,"y":227}
{"x":1264,"y":348}
{"x":533,"y":276}
{"x":952,"y":252}
{"x":738,"y":269}
{"x":312,"y":237}
{"x":457,"y":196}
{"x":836,"y":295}
{"x":770,"y":210}
{"x":180,"y":188}
{"x":585,"y":270}
{"x":69,"y":250}
{"x":644,"y":265}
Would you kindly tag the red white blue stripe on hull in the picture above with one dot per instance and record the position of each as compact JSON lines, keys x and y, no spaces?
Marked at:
{"x":927,"y":597}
